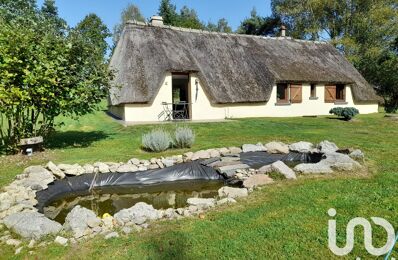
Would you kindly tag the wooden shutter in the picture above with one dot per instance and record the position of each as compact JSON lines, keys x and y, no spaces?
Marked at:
{"x":296,"y":93}
{"x":330,"y":94}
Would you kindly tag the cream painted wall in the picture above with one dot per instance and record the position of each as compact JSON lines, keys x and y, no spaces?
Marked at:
{"x":202,"y":109}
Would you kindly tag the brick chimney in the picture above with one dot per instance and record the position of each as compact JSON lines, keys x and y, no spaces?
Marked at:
{"x":283,"y":31}
{"x":156,"y":20}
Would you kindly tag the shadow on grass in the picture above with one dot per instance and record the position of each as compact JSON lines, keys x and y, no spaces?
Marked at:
{"x":69,"y":139}
{"x":170,"y":246}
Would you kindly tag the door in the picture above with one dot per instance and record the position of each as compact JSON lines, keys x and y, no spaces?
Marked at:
{"x":181,"y":100}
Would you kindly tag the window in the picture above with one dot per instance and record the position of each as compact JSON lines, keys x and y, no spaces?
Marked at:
{"x":313,"y":91}
{"x":282,"y":94}
{"x":334,"y":93}
{"x":340,"y":92}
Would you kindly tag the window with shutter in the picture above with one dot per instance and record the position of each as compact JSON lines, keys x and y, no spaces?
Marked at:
{"x":296,"y":93}
{"x":330,"y":94}
{"x":282,"y":95}
{"x":340,"y":92}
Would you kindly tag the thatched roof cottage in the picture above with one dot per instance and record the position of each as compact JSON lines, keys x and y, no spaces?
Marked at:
{"x":165,"y":73}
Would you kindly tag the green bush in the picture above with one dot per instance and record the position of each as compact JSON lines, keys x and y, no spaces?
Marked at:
{"x":184,"y":137}
{"x":347,"y":112}
{"x":156,"y":141}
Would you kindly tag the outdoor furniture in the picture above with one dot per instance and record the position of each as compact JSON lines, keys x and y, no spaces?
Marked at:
{"x":174,"y":111}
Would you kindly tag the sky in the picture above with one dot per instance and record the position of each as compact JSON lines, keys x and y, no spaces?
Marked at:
{"x":234,"y":11}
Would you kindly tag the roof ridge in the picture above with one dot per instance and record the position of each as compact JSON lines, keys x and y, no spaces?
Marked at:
{"x":182,"y":29}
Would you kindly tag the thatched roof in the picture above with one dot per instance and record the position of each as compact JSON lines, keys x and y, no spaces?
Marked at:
{"x":232,"y":68}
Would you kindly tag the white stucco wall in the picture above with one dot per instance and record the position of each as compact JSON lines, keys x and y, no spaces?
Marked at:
{"x":202,"y":109}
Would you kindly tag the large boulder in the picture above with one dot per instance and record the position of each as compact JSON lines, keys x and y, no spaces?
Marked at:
{"x":32,"y":225}
{"x":283,"y":169}
{"x":201,"y":203}
{"x":313,"y":168}
{"x":137,"y":214}
{"x":253,"y":148}
{"x":80,"y":220}
{"x":257,"y":180}
{"x":301,"y":147}
{"x":36,"y":176}
{"x":327,"y":147}
{"x":277,"y":147}
{"x":233,"y":193}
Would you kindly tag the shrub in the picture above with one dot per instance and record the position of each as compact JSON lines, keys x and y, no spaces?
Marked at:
{"x":347,"y":112}
{"x":184,"y":137}
{"x":156,"y":141}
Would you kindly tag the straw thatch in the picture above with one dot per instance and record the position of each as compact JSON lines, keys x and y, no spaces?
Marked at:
{"x":232,"y":68}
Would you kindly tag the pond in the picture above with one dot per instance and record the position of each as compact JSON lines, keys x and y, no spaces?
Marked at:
{"x":113,"y":199}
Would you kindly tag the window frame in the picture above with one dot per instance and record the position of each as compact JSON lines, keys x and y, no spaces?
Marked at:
{"x":340,"y":90}
{"x":286,"y":100}
{"x":313,"y":91}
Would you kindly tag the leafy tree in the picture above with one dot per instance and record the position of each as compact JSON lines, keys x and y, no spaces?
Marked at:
{"x":44,"y":74}
{"x":131,"y":12}
{"x":12,"y":9}
{"x":257,"y":25}
{"x":188,"y":18}
{"x":50,"y":11}
{"x":168,"y":11}
{"x":221,"y":26}
{"x":95,"y":33}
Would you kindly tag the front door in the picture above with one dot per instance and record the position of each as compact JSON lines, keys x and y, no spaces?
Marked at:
{"x":181,"y":101}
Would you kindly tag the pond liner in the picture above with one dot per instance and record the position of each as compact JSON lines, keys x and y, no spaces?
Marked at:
{"x":87,"y":184}
{"x":258,"y":159}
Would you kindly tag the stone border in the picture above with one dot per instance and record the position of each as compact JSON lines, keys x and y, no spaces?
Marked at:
{"x":18,"y":201}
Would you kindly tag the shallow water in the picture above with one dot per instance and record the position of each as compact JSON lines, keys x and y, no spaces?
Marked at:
{"x":113,"y":199}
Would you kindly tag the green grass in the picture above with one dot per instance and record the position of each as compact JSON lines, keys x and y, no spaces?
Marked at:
{"x":287,"y":220}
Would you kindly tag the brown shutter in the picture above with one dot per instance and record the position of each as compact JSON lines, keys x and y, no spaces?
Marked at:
{"x":330,"y":94}
{"x":296,"y":93}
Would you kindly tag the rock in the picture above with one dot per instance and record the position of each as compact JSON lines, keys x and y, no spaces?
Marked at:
{"x":224,"y":151}
{"x":88,"y":168}
{"x":277,"y":147}
{"x":79,"y":220}
{"x":230,"y":159}
{"x":134,"y":161}
{"x":13,"y":242}
{"x":160,"y":164}
{"x":36,"y":175}
{"x":209,"y":162}
{"x":61,"y":241}
{"x":265,"y":169}
{"x":153,"y":167}
{"x":169,"y":213}
{"x":31,"y":225}
{"x":357,"y":155}
{"x":337,"y":160}
{"x":201,"y":203}
{"x":226,"y":201}
{"x":214,"y":153}
{"x":72,"y":170}
{"x":301,"y":147}
{"x":102,"y":167}
{"x":188,"y":156}
{"x":108,"y":222}
{"x":127,"y":168}
{"x":200,"y":155}
{"x":138,"y":214}
{"x":230,"y":170}
{"x":127,"y":230}
{"x":142,"y":168}
{"x":55,"y":170}
{"x":19,"y":250}
{"x":234,"y":150}
{"x":257,"y":180}
{"x":145,"y":162}
{"x":234,"y":193}
{"x":283,"y":169}
{"x":327,"y":147}
{"x":32,"y":243}
{"x":253,"y":148}
{"x":168,"y":162}
{"x":313,"y":168}
{"x":112,"y":235}
{"x":112,"y":167}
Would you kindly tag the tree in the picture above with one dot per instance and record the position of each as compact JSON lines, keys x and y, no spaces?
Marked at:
{"x":44,"y":74}
{"x":221,"y":26}
{"x":95,"y":33}
{"x":168,"y":12}
{"x":131,"y":12}
{"x":13,"y":9}
{"x":188,"y":18}
{"x":257,"y":25}
{"x":50,"y":11}
{"x":365,"y":31}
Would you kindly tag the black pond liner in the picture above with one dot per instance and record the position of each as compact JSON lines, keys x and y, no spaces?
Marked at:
{"x":151,"y":180}
{"x":170,"y":178}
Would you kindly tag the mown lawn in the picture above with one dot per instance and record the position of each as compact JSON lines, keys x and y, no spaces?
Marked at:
{"x":287,"y":220}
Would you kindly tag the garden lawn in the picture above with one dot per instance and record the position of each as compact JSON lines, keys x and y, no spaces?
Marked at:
{"x":286,"y":220}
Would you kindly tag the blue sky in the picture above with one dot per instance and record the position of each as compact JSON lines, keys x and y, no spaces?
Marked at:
{"x":208,"y":10}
